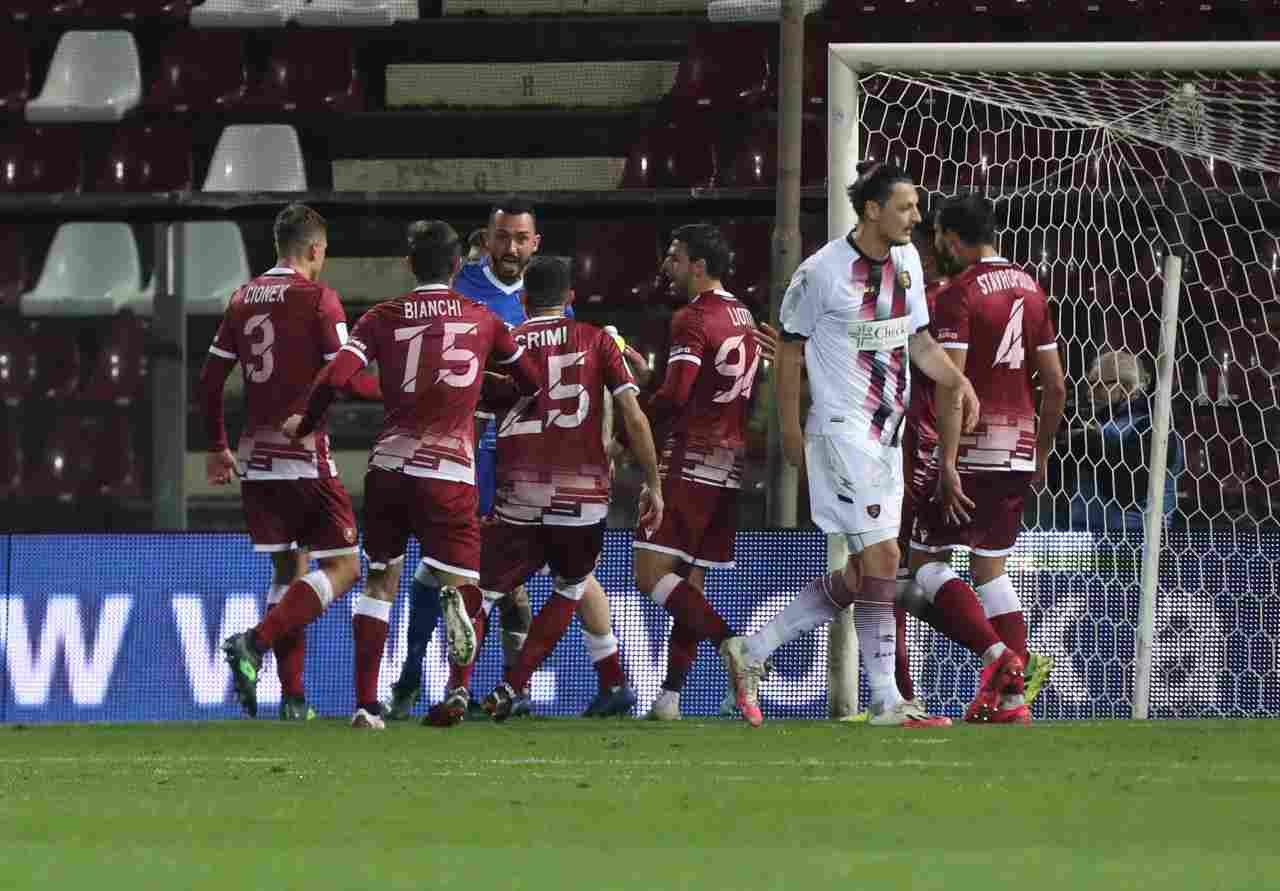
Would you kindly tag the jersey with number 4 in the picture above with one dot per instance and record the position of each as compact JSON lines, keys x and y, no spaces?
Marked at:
{"x":999,"y":314}
{"x":431,"y":346}
{"x":707,"y":441}
{"x":552,"y":468}
{"x":282,"y":328}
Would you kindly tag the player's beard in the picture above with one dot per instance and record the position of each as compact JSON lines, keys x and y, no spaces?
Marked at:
{"x":947,"y":264}
{"x":509,"y":268}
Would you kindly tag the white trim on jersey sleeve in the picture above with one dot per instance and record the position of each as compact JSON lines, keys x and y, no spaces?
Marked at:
{"x":221,"y":354}
{"x":685,"y":357}
{"x":514,"y":356}
{"x":1047,"y":346}
{"x":354,"y":350}
{"x":955,"y":346}
{"x":625,"y":387}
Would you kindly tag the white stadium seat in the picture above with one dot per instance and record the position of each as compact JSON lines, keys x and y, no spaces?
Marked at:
{"x":94,"y":76}
{"x":346,"y":14}
{"x":214,"y":264}
{"x":92,"y":269}
{"x":240,"y":14}
{"x":257,"y":158}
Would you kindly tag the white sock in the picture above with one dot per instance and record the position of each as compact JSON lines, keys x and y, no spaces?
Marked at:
{"x":275,"y":594}
{"x":599,"y":646}
{"x":811,"y":609}
{"x":878,"y":645}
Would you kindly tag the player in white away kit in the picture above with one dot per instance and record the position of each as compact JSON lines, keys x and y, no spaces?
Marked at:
{"x":993,"y":321}
{"x":852,"y":314}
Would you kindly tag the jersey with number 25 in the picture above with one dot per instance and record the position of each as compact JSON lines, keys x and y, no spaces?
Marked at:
{"x":431,"y":346}
{"x":999,"y":314}
{"x":282,"y":328}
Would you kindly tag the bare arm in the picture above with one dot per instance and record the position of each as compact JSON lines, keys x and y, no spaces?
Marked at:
{"x":787,"y":373}
{"x":933,"y":360}
{"x":1053,"y":400}
{"x":950,"y":400}
{"x":641,"y":438}
{"x":220,"y":465}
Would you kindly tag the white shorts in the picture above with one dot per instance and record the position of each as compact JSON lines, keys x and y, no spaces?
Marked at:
{"x":855,"y":488}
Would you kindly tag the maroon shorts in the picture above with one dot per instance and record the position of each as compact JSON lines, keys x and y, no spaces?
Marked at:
{"x":994,"y":521}
{"x":287,"y":514}
{"x":440,"y":513}
{"x":511,"y":553}
{"x":698,"y":523}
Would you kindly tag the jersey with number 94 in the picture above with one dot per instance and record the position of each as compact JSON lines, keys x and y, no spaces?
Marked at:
{"x":282,"y":328}
{"x":431,"y":346}
{"x":999,"y":314}
{"x":552,"y":467}
{"x":707,"y":441}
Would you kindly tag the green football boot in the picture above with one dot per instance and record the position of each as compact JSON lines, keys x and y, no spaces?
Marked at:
{"x":245,"y":663}
{"x":1039,"y":667}
{"x":295,"y":708}
{"x":401,"y":704}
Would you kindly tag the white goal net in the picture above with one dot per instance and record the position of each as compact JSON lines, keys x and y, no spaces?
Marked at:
{"x":1098,"y":175}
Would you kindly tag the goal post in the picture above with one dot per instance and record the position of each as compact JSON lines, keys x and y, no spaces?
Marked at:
{"x":1112,"y":164}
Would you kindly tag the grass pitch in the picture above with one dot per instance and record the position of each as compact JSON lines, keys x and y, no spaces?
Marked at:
{"x":560,"y":804}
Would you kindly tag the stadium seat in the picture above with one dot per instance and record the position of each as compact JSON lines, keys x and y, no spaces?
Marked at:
{"x":94,"y":76}
{"x":257,"y":158}
{"x":62,"y":464}
{"x":120,"y":373}
{"x":678,"y":155}
{"x":25,"y":10}
{"x":346,"y":14}
{"x":116,"y":471}
{"x":40,"y":160}
{"x":214,"y":264}
{"x":10,"y":455}
{"x":240,"y":14}
{"x":148,"y":159}
{"x":17,"y":366}
{"x":725,"y":70}
{"x":15,"y":73}
{"x":311,"y":71}
{"x":200,"y":71}
{"x":91,"y":268}
{"x":134,"y":10}
{"x":756,"y":163}
{"x":615,"y":263}
{"x":57,"y":360}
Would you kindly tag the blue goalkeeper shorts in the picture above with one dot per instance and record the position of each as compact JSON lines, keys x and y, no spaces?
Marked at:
{"x":486,"y":478}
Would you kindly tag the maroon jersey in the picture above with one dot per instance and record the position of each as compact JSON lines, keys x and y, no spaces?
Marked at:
{"x":431,"y":346}
{"x":1000,"y":315}
{"x":706,"y":441}
{"x":282,"y":328}
{"x":920,"y":414}
{"x":551,"y":464}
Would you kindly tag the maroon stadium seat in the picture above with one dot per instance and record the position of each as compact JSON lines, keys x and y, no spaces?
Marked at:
{"x":57,"y":359}
{"x":756,"y":163}
{"x":725,"y":69}
{"x":311,"y":71}
{"x":615,"y":263}
{"x":41,"y":160}
{"x":10,"y":454}
{"x":63,"y":462}
{"x":15,"y":73}
{"x":131,"y":10}
{"x":17,"y":365}
{"x":120,"y":373}
{"x":116,"y":470}
{"x":678,"y":155}
{"x":148,"y":159}
{"x":200,"y":71}
{"x":38,"y":9}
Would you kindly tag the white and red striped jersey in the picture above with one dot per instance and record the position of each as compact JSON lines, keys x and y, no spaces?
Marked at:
{"x":855,"y":314}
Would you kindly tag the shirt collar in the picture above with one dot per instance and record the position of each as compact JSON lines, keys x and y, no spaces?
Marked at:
{"x":433,"y":286}
{"x":280,"y":270}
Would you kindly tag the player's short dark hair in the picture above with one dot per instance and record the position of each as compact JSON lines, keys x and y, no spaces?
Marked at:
{"x":703,"y":241}
{"x":477,"y":237}
{"x":970,"y":216}
{"x":547,"y":279}
{"x":296,"y":227}
{"x":433,"y":248}
{"x":514,"y":205}
{"x":875,"y":182}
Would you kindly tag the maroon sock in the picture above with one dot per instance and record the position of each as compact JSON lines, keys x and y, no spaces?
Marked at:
{"x":549,"y":625}
{"x":960,"y":617}
{"x":609,"y":672}
{"x":370,"y":634}
{"x":902,"y":668}
{"x":291,"y":659}
{"x":1012,"y":628}
{"x":682,"y":650}
{"x":690,"y":608}
{"x":299,"y":607}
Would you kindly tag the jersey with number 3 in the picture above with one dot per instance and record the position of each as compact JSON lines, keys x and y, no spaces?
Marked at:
{"x":431,"y":346}
{"x":552,"y":467}
{"x":707,"y":442}
{"x":282,"y":328}
{"x":999,"y":314}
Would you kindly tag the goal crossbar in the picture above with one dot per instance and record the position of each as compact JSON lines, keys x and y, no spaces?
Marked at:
{"x":1250,"y":55}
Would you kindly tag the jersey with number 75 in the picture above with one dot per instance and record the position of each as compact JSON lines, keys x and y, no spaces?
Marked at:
{"x":431,"y":346}
{"x":1000,"y":316}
